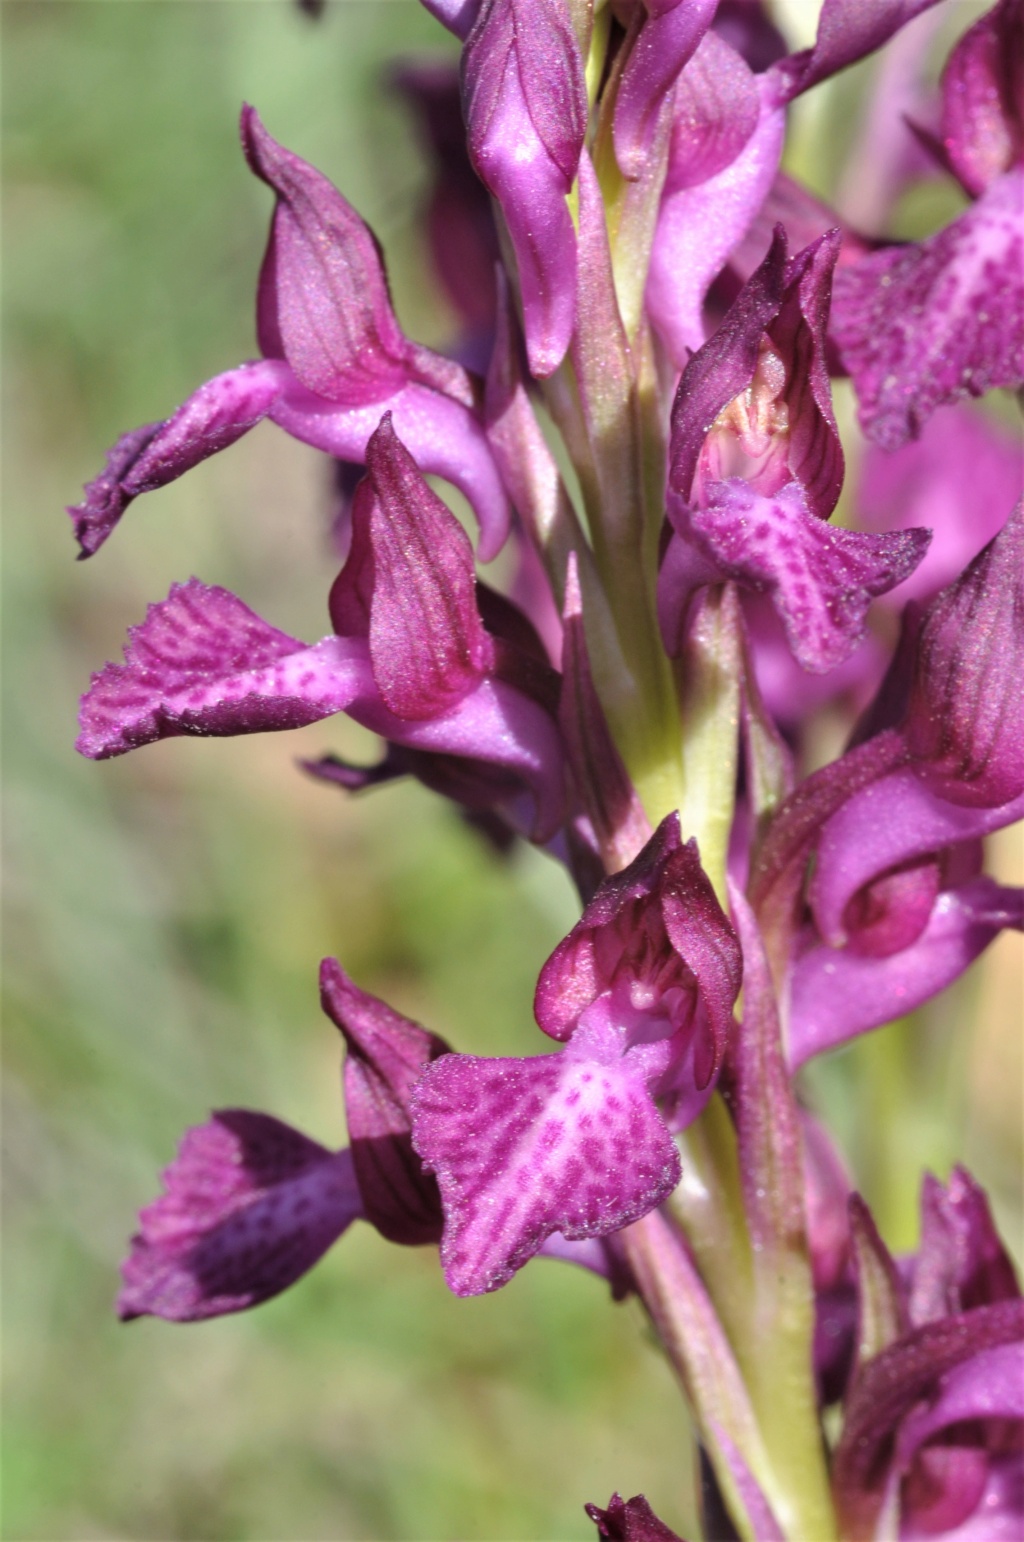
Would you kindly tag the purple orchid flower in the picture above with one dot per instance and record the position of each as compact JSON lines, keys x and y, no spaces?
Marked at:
{"x":410,"y":658}
{"x":525,"y":105}
{"x":749,"y":497}
{"x":250,"y":1204}
{"x":927,"y":324}
{"x":641,"y":995}
{"x":897,"y":906}
{"x":334,"y":361}
{"x":933,"y":1439}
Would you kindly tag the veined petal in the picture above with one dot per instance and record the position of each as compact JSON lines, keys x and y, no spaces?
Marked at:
{"x":443,"y":436}
{"x":821,"y":577}
{"x":323,"y":300}
{"x":386,"y":1056}
{"x":525,"y":106}
{"x":837,"y":993}
{"x":667,"y":39}
{"x":699,"y":226}
{"x":570,"y":1142}
{"x":965,"y":722}
{"x":203,"y":663}
{"x":714,"y":112}
{"x":250,"y":1205}
{"x":220,"y":412}
{"x":982,"y":94}
{"x":428,"y":646}
{"x":924,"y":325}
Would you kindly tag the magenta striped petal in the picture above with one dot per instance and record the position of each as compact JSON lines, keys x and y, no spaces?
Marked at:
{"x":202,"y":662}
{"x":924,"y":325}
{"x":250,"y":1205}
{"x":570,"y":1142}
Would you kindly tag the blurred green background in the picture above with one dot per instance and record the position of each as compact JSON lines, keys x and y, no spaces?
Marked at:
{"x":166,"y":913}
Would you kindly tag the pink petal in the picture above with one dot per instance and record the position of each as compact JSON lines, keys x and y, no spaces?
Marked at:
{"x":667,"y":39}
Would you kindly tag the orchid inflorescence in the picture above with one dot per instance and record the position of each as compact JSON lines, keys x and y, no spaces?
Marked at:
{"x":628,"y":258}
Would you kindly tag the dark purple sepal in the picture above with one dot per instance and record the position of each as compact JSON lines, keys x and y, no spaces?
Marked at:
{"x":983,"y":98}
{"x":570,"y":1143}
{"x":525,"y":104}
{"x":353,"y":778}
{"x":848,"y":30}
{"x":667,"y":38}
{"x":961,"y":1260}
{"x":606,"y":793}
{"x":220,"y":412}
{"x":821,"y":577}
{"x":250,"y":1206}
{"x":387,"y":1054}
{"x":889,"y":1386}
{"x":428,"y":646}
{"x":203,"y":663}
{"x":927,"y":324}
{"x":323,"y":301}
{"x":965,"y":723}
{"x":629,"y":1520}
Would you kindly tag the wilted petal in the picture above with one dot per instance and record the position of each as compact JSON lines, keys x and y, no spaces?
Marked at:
{"x":220,"y":412}
{"x":837,"y":993}
{"x":203,"y":663}
{"x":965,"y":724}
{"x":629,"y":1520}
{"x":525,"y":106}
{"x":821,"y":577}
{"x":250,"y":1205}
{"x":570,"y":1142}
{"x":982,"y":88}
{"x":924,"y":325}
{"x":323,"y":297}
{"x":667,"y":39}
{"x":386,"y":1056}
{"x":698,"y":228}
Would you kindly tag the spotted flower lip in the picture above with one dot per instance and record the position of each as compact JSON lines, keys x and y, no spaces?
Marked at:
{"x":335,"y":360}
{"x":750,"y":495}
{"x":641,"y":994}
{"x":411,"y":658}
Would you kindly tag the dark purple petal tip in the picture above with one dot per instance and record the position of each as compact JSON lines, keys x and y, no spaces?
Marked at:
{"x":249,"y":1206}
{"x":629,"y":1520}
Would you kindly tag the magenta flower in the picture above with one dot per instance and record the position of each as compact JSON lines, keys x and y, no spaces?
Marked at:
{"x":410,"y":658}
{"x":933,"y":1439}
{"x":924,"y":325}
{"x":335,"y":360}
{"x":749,"y":497}
{"x":897,"y":906}
{"x":641,"y":995}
